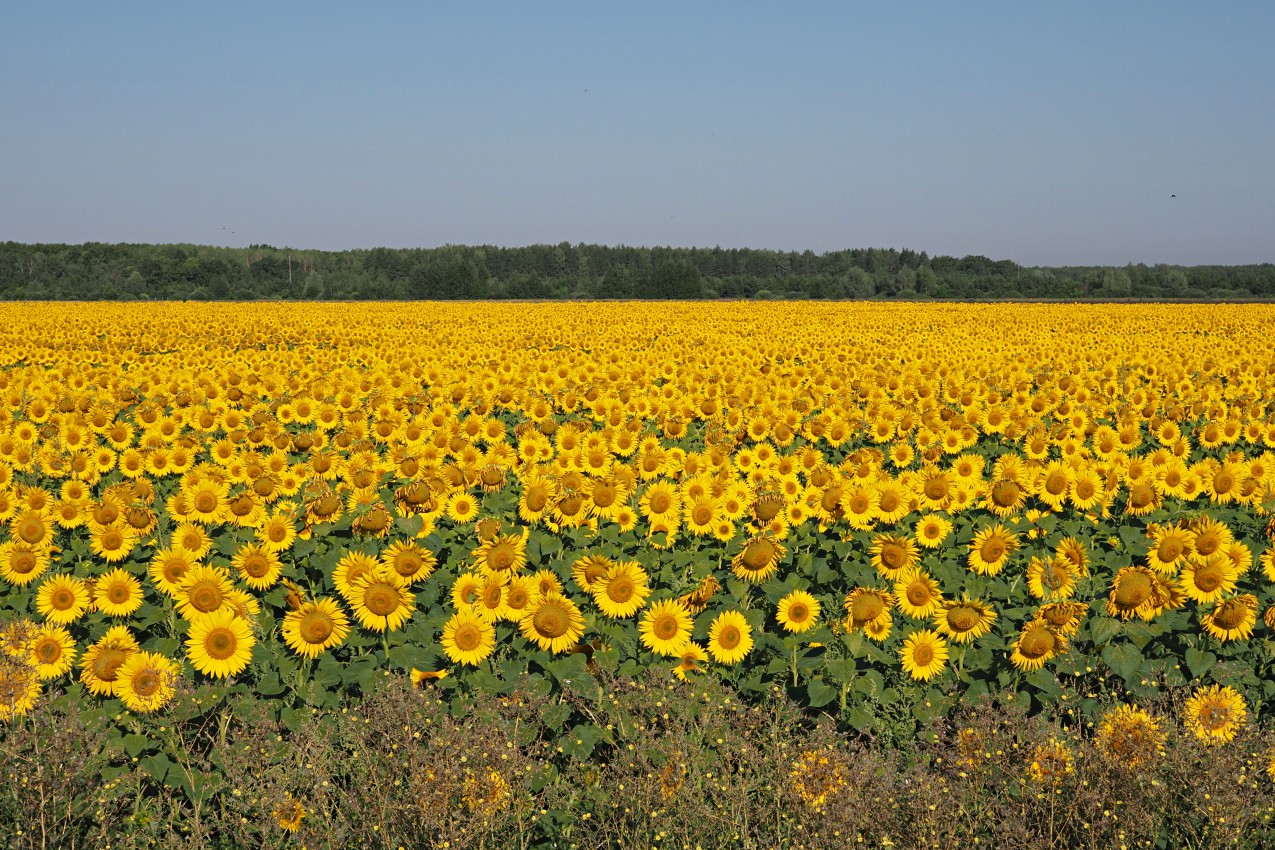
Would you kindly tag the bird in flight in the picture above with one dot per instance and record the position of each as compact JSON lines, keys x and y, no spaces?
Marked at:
{"x":1173,"y":196}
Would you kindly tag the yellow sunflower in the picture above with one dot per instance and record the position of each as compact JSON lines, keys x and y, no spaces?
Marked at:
{"x":1208,"y":579}
{"x":145,"y":681}
{"x":1232,"y":619}
{"x":315,"y":627}
{"x":666,"y":627}
{"x":758,"y":559}
{"x":1131,"y":737}
{"x":622,"y":591}
{"x":1215,"y":714}
{"x":730,"y":638}
{"x":505,"y":553}
{"x":62,"y":599}
{"x":52,"y":651}
{"x":168,"y":568}
{"x":203,"y":590}
{"x":924,"y":654}
{"x":553,"y":622}
{"x":1037,"y":643}
{"x":381,"y":601}
{"x":101,"y":662}
{"x":931,"y":530}
{"x":798,"y":612}
{"x":117,"y":593}
{"x":220,"y":644}
{"x":917,"y":594}
{"x":467,"y":638}
{"x":991,"y":549}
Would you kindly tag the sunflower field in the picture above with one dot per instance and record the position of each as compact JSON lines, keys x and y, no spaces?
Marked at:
{"x":881,"y":513}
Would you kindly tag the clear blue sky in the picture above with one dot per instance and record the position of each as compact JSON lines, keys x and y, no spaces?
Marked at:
{"x":1049,"y":133}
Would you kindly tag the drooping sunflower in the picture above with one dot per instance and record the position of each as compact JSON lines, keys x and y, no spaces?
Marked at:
{"x":117,"y":593}
{"x":220,"y":644}
{"x":467,"y":638}
{"x":798,"y":612}
{"x":1232,"y":619}
{"x":145,"y":681}
{"x":1208,"y":579}
{"x":381,"y":601}
{"x":1215,"y":714}
{"x":666,"y":627}
{"x":505,"y":553}
{"x":62,"y":599}
{"x":52,"y":651}
{"x":1051,"y":578}
{"x":758,"y":559}
{"x":100,"y":664}
{"x":315,"y":627}
{"x":1037,"y":643}
{"x":622,"y":591}
{"x":990,"y":550}
{"x":730,"y":638}
{"x":917,"y":593}
{"x":924,"y":654}
{"x":1131,"y":737}
{"x":932,"y":530}
{"x":553,"y":622}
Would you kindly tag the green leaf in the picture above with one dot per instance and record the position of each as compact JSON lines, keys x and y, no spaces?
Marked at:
{"x":1199,"y":661}
{"x":1125,"y":661}
{"x":1103,"y":629}
{"x":820,"y":693}
{"x":135,"y":744}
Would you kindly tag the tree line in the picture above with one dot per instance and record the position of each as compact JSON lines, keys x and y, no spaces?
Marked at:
{"x":99,"y":271}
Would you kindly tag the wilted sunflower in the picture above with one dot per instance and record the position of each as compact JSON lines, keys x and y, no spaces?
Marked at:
{"x":220,"y":644}
{"x":19,"y":689}
{"x":758,"y":559}
{"x":1051,"y":763}
{"x":315,"y":627}
{"x":1131,"y":737}
{"x":1215,"y":714}
{"x":666,"y":627}
{"x":816,"y":775}
{"x":1232,"y":619}
{"x":965,"y":619}
{"x":622,"y":591}
{"x":145,"y":681}
{"x":288,"y":813}
{"x":1037,"y":643}
{"x":798,"y":612}
{"x":730,"y":638}
{"x":923,"y":654}
{"x":552,"y":622}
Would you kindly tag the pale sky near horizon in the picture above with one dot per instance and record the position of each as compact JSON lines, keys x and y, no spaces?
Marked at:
{"x":1051,"y":134}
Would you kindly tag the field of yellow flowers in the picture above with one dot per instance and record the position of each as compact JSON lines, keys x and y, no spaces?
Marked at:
{"x":883,"y":510}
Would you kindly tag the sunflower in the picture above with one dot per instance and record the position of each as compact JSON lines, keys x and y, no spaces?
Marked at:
{"x":661,"y":502}
{"x":860,"y":505}
{"x":145,"y":681}
{"x":19,"y":690}
{"x":701,"y":514}
{"x":991,"y":549}
{"x":168,"y":567}
{"x":1232,"y":619}
{"x":866,"y":606}
{"x":1135,"y":592}
{"x":278,"y":532}
{"x":193,"y":538}
{"x":409,"y":561}
{"x":1063,"y":617}
{"x":730,"y":638}
{"x":931,"y":530}
{"x":117,"y":593}
{"x":1037,"y":643}
{"x":1086,"y":490}
{"x":220,"y":644}
{"x":351,"y":567}
{"x":622,"y":591}
{"x":1051,"y":578}
{"x":381,"y":600}
{"x":31,"y":527}
{"x":503,"y":553}
{"x":520,"y":593}
{"x":467,"y":638}
{"x":917,"y":594}
{"x":1051,"y":763}
{"x":924,"y":654}
{"x":62,"y":599}
{"x":1130,"y":737}
{"x":420,"y":677}
{"x":489,"y":603}
{"x":666,"y":627}
{"x":1215,"y":714}
{"x":1170,"y":548}
{"x":1208,"y":579}
{"x":1074,"y":553}
{"x":1054,"y":484}
{"x":203,"y":590}
{"x":553,"y":623}
{"x":758,"y":559}
{"x":1005,"y":497}
{"x":893,"y":555}
{"x":288,"y":813}
{"x":798,"y":612}
{"x":113,"y":543}
{"x":21,"y":564}
{"x":100,"y":664}
{"x":207,"y":501}
{"x":315,"y":627}
{"x":52,"y":651}
{"x":935,"y":488}
{"x":538,"y":496}
{"x":691,"y":657}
